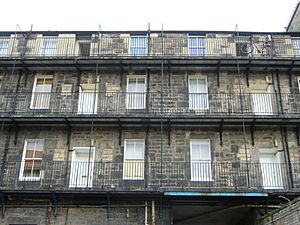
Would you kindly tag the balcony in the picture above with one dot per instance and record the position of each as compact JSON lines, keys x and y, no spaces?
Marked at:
{"x":169,"y":105}
{"x":170,"y":45}
{"x":152,"y":176}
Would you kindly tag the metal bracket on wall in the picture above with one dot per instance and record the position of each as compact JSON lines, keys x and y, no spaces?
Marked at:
{"x":147,"y":90}
{"x":121,"y":66}
{"x":3,"y":204}
{"x":221,"y":132}
{"x":26,"y":72}
{"x":169,"y":132}
{"x":297,"y":135}
{"x":78,"y":75}
{"x":108,"y":206}
{"x":218,"y":73}
{"x":290,"y":74}
{"x":169,"y":73}
{"x":69,"y":133}
{"x":54,"y":202}
{"x":252,"y":133}
{"x":247,"y":72}
{"x":120,"y":132}
{"x":161,"y":209}
{"x":16,"y":127}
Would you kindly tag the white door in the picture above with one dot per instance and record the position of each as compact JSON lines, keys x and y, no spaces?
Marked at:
{"x":200,"y":160}
{"x":263,"y":103}
{"x":198,"y":93}
{"x":87,"y":100}
{"x":82,"y":165}
{"x":136,"y":92}
{"x":272,"y":170}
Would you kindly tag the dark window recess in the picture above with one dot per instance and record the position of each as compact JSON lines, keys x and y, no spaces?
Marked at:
{"x":84,"y":48}
{"x":83,"y":45}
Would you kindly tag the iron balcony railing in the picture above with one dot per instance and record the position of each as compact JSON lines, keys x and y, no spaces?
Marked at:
{"x":149,"y":104}
{"x":152,"y":176}
{"x":171,"y":45}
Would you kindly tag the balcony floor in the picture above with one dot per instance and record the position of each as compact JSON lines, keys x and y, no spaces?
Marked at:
{"x":174,"y":63}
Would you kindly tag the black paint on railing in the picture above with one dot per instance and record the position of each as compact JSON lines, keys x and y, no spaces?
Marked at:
{"x":231,"y":176}
{"x":171,"y":104}
{"x":176,"y":45}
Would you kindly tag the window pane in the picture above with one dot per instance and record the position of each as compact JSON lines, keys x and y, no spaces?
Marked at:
{"x":49,"y":46}
{"x":32,"y":168}
{"x":45,"y":88}
{"x":140,"y":88}
{"x":195,"y":151}
{"x":193,"y":85}
{"x":197,"y":46}
{"x":129,"y":150}
{"x":296,"y":46}
{"x":31,"y":145}
{"x":201,"y":86}
{"x":139,"y":150}
{"x":192,"y":42}
{"x":4,"y":42}
{"x":205,"y":153}
{"x":200,"y":151}
{"x":138,"y":46}
{"x":198,"y":86}
{"x":141,"y":80}
{"x":29,"y":153}
{"x":34,"y":149}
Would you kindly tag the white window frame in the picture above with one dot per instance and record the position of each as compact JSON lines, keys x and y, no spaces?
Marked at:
{"x":49,"y":46}
{"x":196,"y":166}
{"x":202,"y":95}
{"x":22,"y":166}
{"x":133,"y":98}
{"x":298,"y":80}
{"x":4,"y":45}
{"x":33,"y":96}
{"x":137,"y":163}
{"x":142,"y":49}
{"x":200,"y":49}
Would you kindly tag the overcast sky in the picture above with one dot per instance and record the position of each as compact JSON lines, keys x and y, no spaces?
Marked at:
{"x":206,"y":15}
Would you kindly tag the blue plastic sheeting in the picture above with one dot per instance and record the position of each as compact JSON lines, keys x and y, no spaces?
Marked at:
{"x":221,"y":194}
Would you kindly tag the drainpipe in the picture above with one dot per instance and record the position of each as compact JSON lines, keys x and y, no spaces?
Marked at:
{"x":287,"y":155}
{"x":279,"y":93}
{"x":146,"y":213}
{"x":153,"y":213}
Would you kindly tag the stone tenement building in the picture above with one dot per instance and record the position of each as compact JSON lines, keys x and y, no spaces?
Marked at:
{"x":148,"y":127}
